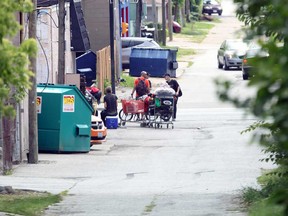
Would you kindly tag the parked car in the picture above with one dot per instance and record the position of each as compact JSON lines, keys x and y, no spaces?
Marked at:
{"x":254,"y":52}
{"x":231,"y":53}
{"x":98,"y":130}
{"x":212,"y":6}
{"x":134,"y":42}
{"x":176,"y":27}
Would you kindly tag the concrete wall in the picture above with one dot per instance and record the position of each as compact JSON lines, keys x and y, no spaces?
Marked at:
{"x":47,"y":65}
{"x":47,"y":33}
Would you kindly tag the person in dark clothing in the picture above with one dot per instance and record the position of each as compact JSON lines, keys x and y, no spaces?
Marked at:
{"x":178,"y":93}
{"x":110,"y":105}
{"x":150,"y":83}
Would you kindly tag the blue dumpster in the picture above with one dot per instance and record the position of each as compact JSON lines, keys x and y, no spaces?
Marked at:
{"x":86,"y":66}
{"x":156,"y":62}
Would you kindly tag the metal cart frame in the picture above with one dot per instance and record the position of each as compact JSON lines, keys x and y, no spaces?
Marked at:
{"x":161,"y":112}
{"x":132,"y":111}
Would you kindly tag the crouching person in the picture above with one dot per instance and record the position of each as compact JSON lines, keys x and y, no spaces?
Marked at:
{"x":110,"y":105}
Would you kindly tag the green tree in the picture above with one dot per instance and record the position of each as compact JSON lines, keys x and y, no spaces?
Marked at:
{"x":14,"y":72}
{"x":268,"y":19}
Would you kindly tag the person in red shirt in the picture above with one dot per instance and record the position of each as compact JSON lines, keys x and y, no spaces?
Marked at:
{"x":141,"y":85}
{"x":97,"y":93}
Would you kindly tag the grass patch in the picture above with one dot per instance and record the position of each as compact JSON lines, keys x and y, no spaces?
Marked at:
{"x":127,"y":81}
{"x":197,"y":30}
{"x":190,"y":63}
{"x":184,"y":52}
{"x":28,"y":203}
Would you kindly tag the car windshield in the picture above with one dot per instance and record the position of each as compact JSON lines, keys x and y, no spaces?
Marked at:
{"x":256,"y":50}
{"x":236,"y":45}
{"x":211,"y":2}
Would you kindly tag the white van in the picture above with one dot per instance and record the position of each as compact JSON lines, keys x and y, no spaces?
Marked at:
{"x":130,"y":42}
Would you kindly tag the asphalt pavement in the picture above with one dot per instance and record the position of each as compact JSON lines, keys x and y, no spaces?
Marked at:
{"x":195,"y":169}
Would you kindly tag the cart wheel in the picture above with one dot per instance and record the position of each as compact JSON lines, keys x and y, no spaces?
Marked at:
{"x":125,"y":117}
{"x":123,"y":123}
{"x":166,"y":117}
{"x":167,"y":125}
{"x":172,"y":126}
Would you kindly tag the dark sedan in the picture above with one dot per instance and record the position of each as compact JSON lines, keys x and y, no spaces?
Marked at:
{"x":231,"y":53}
{"x":253,"y":53}
{"x":212,"y":6}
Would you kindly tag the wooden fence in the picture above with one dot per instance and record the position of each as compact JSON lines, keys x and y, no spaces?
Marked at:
{"x":103,"y":67}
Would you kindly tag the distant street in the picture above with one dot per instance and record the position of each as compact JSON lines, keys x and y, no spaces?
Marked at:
{"x":196,"y":169}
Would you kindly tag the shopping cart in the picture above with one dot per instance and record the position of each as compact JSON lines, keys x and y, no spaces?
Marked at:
{"x":161,"y":112}
{"x":132,"y":111}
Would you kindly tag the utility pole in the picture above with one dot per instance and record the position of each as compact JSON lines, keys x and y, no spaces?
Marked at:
{"x":8,"y":142}
{"x":163,"y":23}
{"x":187,"y":10}
{"x":61,"y":42}
{"x":139,"y":8}
{"x":170,"y":20}
{"x":33,"y":126}
{"x":155,"y":20}
{"x":111,"y":23}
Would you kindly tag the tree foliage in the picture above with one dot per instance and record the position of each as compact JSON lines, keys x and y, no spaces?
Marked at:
{"x":14,"y":72}
{"x":268,"y":19}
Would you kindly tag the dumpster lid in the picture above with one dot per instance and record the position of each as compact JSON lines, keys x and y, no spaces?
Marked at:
{"x":84,"y":70}
{"x":150,"y":48}
{"x":60,"y":89}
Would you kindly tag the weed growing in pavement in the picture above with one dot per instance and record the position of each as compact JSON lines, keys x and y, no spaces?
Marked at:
{"x":251,"y":195}
{"x":149,"y":208}
{"x":7,"y":172}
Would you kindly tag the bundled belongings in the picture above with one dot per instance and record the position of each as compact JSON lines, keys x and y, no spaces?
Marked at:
{"x":164,"y":90}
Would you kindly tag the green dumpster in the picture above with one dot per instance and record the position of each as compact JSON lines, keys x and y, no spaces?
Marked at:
{"x":64,"y":119}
